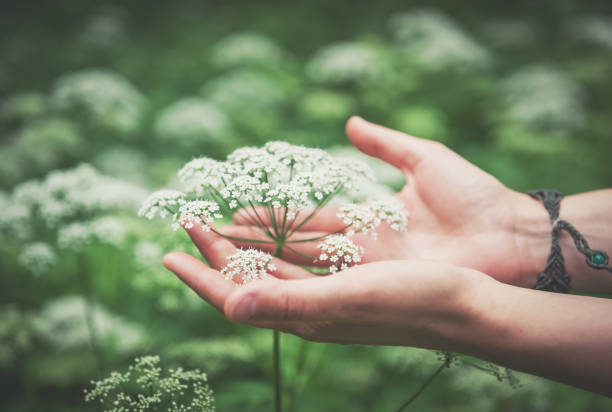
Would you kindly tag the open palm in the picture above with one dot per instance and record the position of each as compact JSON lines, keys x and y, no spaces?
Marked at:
{"x":459,"y":214}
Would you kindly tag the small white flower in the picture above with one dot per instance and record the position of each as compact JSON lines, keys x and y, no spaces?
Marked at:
{"x":37,"y":257}
{"x":160,"y":203}
{"x":197,"y":212}
{"x":340,"y":251}
{"x":366,"y":217}
{"x":248,"y":265}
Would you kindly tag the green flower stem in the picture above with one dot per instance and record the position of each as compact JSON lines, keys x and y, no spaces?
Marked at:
{"x":278,"y":385}
{"x":241,"y":239}
{"x":300,"y":253}
{"x":299,"y":367}
{"x":423,"y":386}
{"x":320,"y":237}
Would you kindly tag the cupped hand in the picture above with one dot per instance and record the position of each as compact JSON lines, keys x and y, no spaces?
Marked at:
{"x":459,"y":214}
{"x":385,"y":303}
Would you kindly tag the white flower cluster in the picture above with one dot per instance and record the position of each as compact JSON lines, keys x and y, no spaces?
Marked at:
{"x":190,"y":121}
{"x":543,"y":97}
{"x":63,"y":195}
{"x":340,"y":251}
{"x":243,"y":90}
{"x":278,"y":175}
{"x":366,"y":217}
{"x":108,"y":98}
{"x":200,"y":212}
{"x":246,"y":48}
{"x":145,"y":387}
{"x":37,"y":257}
{"x":434,"y":40}
{"x":78,"y":235}
{"x":62,"y":323}
{"x":160,"y":203}
{"x":248,"y":265}
{"x":347,"y":62}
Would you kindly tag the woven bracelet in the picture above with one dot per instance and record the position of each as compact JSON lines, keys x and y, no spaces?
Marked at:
{"x":554,"y":277}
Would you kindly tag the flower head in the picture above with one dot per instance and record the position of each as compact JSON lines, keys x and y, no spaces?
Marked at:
{"x":248,"y":265}
{"x":366,"y":217}
{"x":340,"y":251}
{"x":159,"y":202}
{"x":197,"y":212}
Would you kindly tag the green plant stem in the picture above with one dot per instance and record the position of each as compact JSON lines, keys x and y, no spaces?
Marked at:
{"x":423,"y":387}
{"x":278,"y":384}
{"x":89,"y":312}
{"x":299,"y":366}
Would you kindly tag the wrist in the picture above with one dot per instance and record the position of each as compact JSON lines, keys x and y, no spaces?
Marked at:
{"x":531,"y":231}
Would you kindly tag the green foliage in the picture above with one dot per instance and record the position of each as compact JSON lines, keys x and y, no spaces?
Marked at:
{"x":137,"y":89}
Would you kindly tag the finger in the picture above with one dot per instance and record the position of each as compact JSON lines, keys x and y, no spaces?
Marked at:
{"x":322,"y":298}
{"x":325,"y":219}
{"x":399,"y":149}
{"x":307,"y":248}
{"x":287,"y":271}
{"x":206,"y":282}
{"x":213,"y":247}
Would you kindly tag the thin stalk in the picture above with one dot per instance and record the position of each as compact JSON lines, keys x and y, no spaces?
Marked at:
{"x":278,"y":385}
{"x":297,"y":252}
{"x":423,"y":386}
{"x":89,"y":313}
{"x":241,"y":239}
{"x":299,"y":366}
{"x":312,"y":239}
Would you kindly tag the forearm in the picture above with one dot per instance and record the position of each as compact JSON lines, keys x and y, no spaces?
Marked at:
{"x":590,"y":213}
{"x":561,"y":337}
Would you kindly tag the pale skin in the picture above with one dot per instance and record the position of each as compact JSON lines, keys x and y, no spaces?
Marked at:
{"x":427,"y":287}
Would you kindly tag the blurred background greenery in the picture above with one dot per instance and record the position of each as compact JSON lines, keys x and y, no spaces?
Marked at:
{"x":100,"y":102}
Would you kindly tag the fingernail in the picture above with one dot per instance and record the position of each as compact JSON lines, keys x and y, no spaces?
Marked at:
{"x":245,"y":310}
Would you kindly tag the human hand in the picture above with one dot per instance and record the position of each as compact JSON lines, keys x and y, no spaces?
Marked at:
{"x":459,"y":214}
{"x":412,"y":303}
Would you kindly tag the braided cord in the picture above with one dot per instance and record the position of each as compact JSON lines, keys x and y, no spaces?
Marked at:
{"x":554,"y":277}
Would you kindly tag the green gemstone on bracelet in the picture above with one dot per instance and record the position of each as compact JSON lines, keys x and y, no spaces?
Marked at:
{"x":599,"y":259}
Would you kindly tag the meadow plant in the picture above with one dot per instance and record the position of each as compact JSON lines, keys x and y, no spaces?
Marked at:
{"x":277,"y":189}
{"x":147,"y":387}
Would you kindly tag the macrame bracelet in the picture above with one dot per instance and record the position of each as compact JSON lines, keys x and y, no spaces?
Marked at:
{"x":554,"y":277}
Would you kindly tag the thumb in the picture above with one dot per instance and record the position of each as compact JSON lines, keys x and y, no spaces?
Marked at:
{"x":295,"y":300}
{"x":399,"y":149}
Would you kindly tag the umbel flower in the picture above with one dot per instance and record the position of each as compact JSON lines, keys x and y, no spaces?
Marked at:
{"x":276,"y":188}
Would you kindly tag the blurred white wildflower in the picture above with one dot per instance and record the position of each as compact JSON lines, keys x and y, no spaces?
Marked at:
{"x":215,"y":354}
{"x":15,"y":221}
{"x":366,"y":217}
{"x":148,"y":254}
{"x":190,"y":121}
{"x":78,"y":235}
{"x":348,"y":62}
{"x":245,"y":89}
{"x":37,"y":257}
{"x":146,"y":386}
{"x":62,"y":323}
{"x":109,"y":99}
{"x":326,"y":105}
{"x":340,"y":252}
{"x":248,"y":265}
{"x":593,"y":29}
{"x":66,"y":194}
{"x":435,"y":41}
{"x":45,"y":143}
{"x":24,"y":106}
{"x":543,"y":97}
{"x":124,"y":163}
{"x":246,"y":48}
